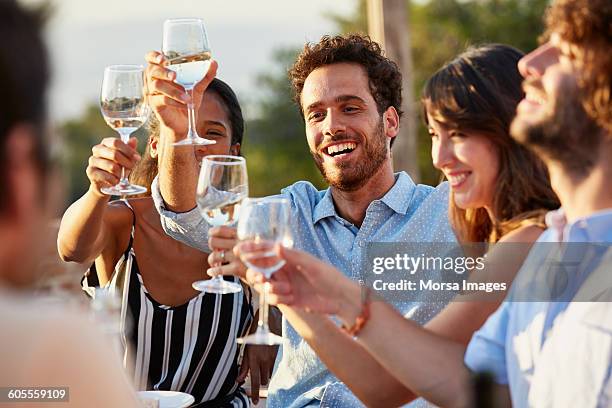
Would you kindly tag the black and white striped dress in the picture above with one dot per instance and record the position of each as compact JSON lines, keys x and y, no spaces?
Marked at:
{"x":189,"y":348}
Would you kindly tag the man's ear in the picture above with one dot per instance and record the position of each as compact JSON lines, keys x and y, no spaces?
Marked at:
{"x":153,"y":144}
{"x":22,"y":176}
{"x":235,"y":149}
{"x":391,"y":122}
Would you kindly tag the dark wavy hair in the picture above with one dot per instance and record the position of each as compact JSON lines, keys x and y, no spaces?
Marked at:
{"x":478,"y":91}
{"x":384,"y":77}
{"x":146,"y":170}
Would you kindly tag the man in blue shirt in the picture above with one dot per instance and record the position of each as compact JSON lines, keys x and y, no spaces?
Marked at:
{"x":350,"y":97}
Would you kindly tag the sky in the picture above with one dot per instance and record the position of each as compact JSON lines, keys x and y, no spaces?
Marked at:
{"x":85,"y":36}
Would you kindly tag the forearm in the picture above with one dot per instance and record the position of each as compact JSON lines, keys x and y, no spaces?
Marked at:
{"x":424,"y":362}
{"x":348,"y":360}
{"x":81,"y":231}
{"x":189,"y":228}
{"x":178,"y":173}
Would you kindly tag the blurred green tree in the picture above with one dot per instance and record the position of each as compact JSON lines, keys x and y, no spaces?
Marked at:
{"x":275,"y":142}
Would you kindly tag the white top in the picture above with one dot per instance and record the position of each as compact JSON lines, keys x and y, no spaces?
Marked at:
{"x":574,"y":366}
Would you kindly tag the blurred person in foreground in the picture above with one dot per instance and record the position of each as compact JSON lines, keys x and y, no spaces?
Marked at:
{"x":565,"y":118}
{"x":38,"y":347}
{"x":349,"y":94}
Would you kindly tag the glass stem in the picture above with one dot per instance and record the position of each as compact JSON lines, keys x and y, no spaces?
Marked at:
{"x":191,"y":133}
{"x":125,"y":138}
{"x":263,"y":309}
{"x":124,"y":181}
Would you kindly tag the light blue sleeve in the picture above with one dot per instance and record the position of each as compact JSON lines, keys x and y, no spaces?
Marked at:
{"x":189,"y":228}
{"x":487,"y":349}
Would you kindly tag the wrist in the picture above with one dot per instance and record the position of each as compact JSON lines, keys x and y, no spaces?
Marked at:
{"x":350,"y":303}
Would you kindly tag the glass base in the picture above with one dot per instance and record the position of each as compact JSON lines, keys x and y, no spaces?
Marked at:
{"x":124,"y":189}
{"x":262,"y":337}
{"x":218,"y":286}
{"x":196,"y":141}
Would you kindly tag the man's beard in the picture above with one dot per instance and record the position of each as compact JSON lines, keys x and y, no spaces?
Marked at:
{"x":568,"y":136}
{"x":351,"y":178}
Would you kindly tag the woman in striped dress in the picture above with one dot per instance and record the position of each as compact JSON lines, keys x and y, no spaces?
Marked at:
{"x":174,"y":337}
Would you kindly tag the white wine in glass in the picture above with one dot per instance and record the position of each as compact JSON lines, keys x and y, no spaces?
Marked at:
{"x":222,"y":186}
{"x":187,"y":51}
{"x":123,"y":106}
{"x":263,"y":224}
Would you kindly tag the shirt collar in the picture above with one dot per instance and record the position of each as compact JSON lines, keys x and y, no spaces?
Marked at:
{"x":324,"y":208}
{"x":397,"y":198}
{"x":596,"y":227}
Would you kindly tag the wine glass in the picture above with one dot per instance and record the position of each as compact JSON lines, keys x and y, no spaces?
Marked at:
{"x":123,"y":106}
{"x":264,"y":223}
{"x":185,"y":46}
{"x":221,"y":187}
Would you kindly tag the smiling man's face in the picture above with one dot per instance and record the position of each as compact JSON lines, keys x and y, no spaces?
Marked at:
{"x":546,"y":70}
{"x":348,"y":138}
{"x":551,"y":118}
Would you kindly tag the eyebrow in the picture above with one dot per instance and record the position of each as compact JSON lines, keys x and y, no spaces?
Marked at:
{"x":341,"y":98}
{"x":215,"y":123}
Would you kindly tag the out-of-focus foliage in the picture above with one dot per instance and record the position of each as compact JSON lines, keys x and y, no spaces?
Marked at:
{"x":441,"y":29}
{"x":275,"y":143}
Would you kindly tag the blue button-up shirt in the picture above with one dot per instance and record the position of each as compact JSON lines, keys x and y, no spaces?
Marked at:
{"x":406,"y":213}
{"x":510,"y":343}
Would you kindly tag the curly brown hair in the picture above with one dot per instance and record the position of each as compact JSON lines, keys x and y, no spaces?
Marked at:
{"x":384,"y":77}
{"x":587,"y":24}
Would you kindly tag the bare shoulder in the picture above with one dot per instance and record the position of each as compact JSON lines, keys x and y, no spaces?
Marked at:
{"x":527,"y":233}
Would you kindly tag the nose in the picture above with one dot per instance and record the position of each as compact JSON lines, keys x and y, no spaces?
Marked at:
{"x":333,"y":124}
{"x":201,"y":151}
{"x":441,"y":152}
{"x":535,"y":63}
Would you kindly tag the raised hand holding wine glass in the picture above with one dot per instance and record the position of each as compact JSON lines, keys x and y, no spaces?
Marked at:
{"x":122,"y":101}
{"x":263,"y":224}
{"x":222,"y":186}
{"x":187,"y":52}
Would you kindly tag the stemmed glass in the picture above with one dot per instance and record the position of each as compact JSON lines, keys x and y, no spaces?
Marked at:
{"x":122,"y":101}
{"x":187,"y":52}
{"x":264,"y":223}
{"x":222,"y":186}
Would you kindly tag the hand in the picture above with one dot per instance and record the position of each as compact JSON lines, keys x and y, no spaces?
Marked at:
{"x":168,"y":99}
{"x":107,"y":160}
{"x":223,"y":261}
{"x":259,"y":360}
{"x":304,"y":282}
